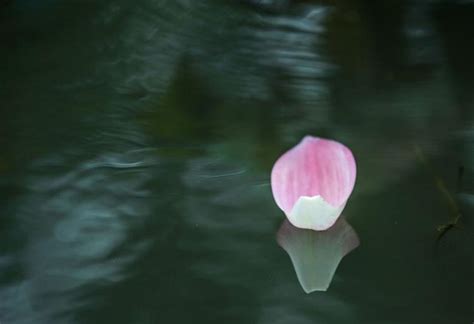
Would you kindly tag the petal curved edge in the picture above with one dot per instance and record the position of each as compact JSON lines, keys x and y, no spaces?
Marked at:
{"x":314,"y":213}
{"x":314,"y":167}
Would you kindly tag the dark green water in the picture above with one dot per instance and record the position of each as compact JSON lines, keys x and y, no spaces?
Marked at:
{"x":137,"y":139}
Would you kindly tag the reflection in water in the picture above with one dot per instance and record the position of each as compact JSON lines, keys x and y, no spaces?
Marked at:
{"x":75,"y":223}
{"x":316,"y":254}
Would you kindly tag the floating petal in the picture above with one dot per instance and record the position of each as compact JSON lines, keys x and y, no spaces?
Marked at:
{"x":312,"y":182}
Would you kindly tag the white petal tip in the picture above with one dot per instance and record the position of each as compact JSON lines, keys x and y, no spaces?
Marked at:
{"x":314,"y":213}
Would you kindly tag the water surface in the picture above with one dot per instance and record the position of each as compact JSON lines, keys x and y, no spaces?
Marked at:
{"x":137,"y":139}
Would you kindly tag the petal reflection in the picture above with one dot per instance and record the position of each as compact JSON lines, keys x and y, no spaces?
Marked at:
{"x":316,"y":254}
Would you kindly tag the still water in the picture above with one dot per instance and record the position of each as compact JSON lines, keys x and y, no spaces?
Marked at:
{"x":137,"y":139}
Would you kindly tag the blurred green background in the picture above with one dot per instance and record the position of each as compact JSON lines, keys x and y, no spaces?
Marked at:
{"x":137,"y":139}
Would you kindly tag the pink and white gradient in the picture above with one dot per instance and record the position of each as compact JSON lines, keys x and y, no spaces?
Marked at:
{"x":312,"y":182}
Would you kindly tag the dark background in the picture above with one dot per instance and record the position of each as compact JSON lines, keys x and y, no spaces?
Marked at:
{"x":137,"y":139}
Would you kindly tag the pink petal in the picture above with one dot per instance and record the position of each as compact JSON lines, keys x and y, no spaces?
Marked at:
{"x":315,"y":167}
